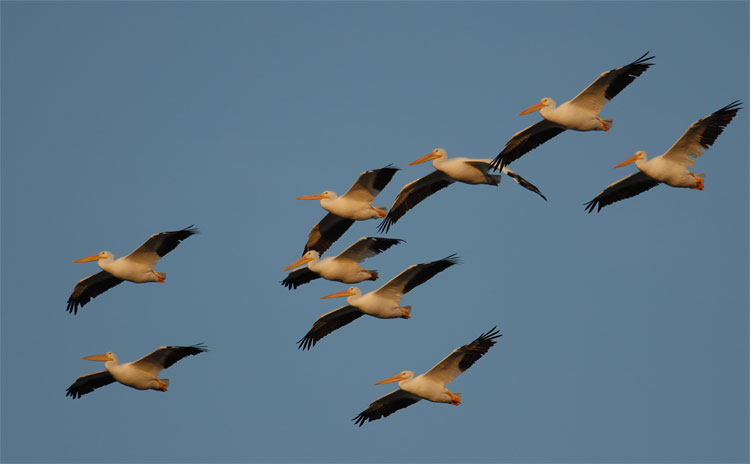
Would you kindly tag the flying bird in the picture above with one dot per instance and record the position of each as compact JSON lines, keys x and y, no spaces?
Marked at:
{"x":137,"y":267}
{"x":581,"y":113}
{"x":354,"y":205}
{"x":670,"y":168}
{"x":343,"y":267}
{"x":141,"y":374}
{"x":431,"y":384}
{"x":383,"y":303}
{"x":447,"y":171}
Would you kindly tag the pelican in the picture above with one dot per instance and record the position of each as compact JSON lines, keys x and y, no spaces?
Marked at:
{"x":670,"y":168}
{"x":447,"y":171}
{"x":141,"y":374}
{"x":354,"y":205}
{"x":137,"y":267}
{"x":343,"y":268}
{"x":431,"y":384}
{"x":383,"y":303}
{"x":581,"y":113}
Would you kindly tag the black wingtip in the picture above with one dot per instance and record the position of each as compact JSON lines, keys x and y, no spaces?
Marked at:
{"x":453,"y":259}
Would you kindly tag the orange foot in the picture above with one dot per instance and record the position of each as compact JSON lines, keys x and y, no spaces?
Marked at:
{"x":158,"y":277}
{"x":604,"y":124}
{"x":455,"y":400}
{"x":699,"y":181}
{"x":161,"y":387}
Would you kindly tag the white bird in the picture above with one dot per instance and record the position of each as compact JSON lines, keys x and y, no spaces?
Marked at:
{"x":137,"y":267}
{"x":354,"y":205}
{"x":581,"y":113}
{"x":141,"y":374}
{"x":430,"y":385}
{"x":447,"y":171}
{"x":670,"y":168}
{"x":343,"y":267}
{"x":383,"y":303}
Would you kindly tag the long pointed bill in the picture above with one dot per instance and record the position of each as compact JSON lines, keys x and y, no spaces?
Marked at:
{"x":626,"y":162}
{"x":95,"y":257}
{"x":97,"y":357}
{"x":428,"y":157}
{"x":297,"y":263}
{"x":319,"y":196}
{"x":337,"y":294}
{"x":532,"y":108}
{"x":395,"y":378}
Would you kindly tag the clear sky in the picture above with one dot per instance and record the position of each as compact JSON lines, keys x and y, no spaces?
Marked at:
{"x":625,"y":332}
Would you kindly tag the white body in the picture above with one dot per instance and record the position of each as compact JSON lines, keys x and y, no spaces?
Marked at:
{"x":466,"y":170}
{"x":382,"y":306}
{"x":341,"y":270}
{"x":667,"y":171}
{"x":427,"y":388}
{"x":134,"y":376}
{"x":128,"y":269}
{"x":350,"y":208}
{"x":574,"y":117}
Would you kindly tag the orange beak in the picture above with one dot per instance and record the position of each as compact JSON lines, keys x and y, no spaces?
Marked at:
{"x":395,"y":378}
{"x":532,"y":108}
{"x":428,"y":157}
{"x":319,"y":196}
{"x":337,"y":294}
{"x":95,"y":257}
{"x":97,"y":357}
{"x":297,"y":263}
{"x":626,"y":162}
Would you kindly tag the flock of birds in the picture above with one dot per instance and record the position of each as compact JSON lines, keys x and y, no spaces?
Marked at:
{"x":580,"y":114}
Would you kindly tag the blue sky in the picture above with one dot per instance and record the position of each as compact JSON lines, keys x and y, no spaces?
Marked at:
{"x":625,"y":332}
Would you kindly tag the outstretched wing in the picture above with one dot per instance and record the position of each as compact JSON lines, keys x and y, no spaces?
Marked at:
{"x":524,"y":141}
{"x":610,"y":83}
{"x":299,"y":277}
{"x":413,"y":276}
{"x":385,"y":406}
{"x":90,"y":287}
{"x":165,"y":356}
{"x":370,"y":183}
{"x":367,"y":247}
{"x":412,"y":194}
{"x":624,"y":188}
{"x":523,"y":182}
{"x":327,"y":323}
{"x":701,"y":134}
{"x":88,"y":383}
{"x":159,"y":245}
{"x":463,"y":357}
{"x":327,"y":231}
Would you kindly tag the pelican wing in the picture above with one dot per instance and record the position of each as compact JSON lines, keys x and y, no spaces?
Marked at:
{"x":413,"y":193}
{"x":523,"y":182}
{"x":624,"y":188}
{"x":159,"y":245}
{"x":327,"y":323}
{"x":386,"y":405}
{"x":610,"y":83}
{"x":299,"y":277}
{"x":327,"y":231}
{"x":370,"y":183}
{"x":463,"y":357}
{"x":90,"y":287}
{"x":701,"y":134}
{"x":524,"y":141}
{"x":88,"y":383}
{"x":165,"y":356}
{"x":367,"y":247}
{"x":413,"y":276}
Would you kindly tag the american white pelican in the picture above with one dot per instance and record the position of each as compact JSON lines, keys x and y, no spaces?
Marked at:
{"x":447,"y":171}
{"x":431,"y":384}
{"x":581,"y":113}
{"x":671,"y":167}
{"x":140,"y":374}
{"x":137,"y":267}
{"x":343,"y":267}
{"x":354,"y":205}
{"x":383,"y":303}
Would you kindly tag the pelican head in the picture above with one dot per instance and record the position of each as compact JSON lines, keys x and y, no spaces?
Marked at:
{"x":106,"y":357}
{"x":640,"y":155}
{"x":351,"y":291}
{"x":327,"y":195}
{"x":311,"y":255}
{"x":403,"y":375}
{"x":96,"y":257}
{"x":438,"y":153}
{"x":545,"y":102}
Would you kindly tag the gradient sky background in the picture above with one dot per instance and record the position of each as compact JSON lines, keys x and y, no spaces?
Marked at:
{"x":625,"y":332}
